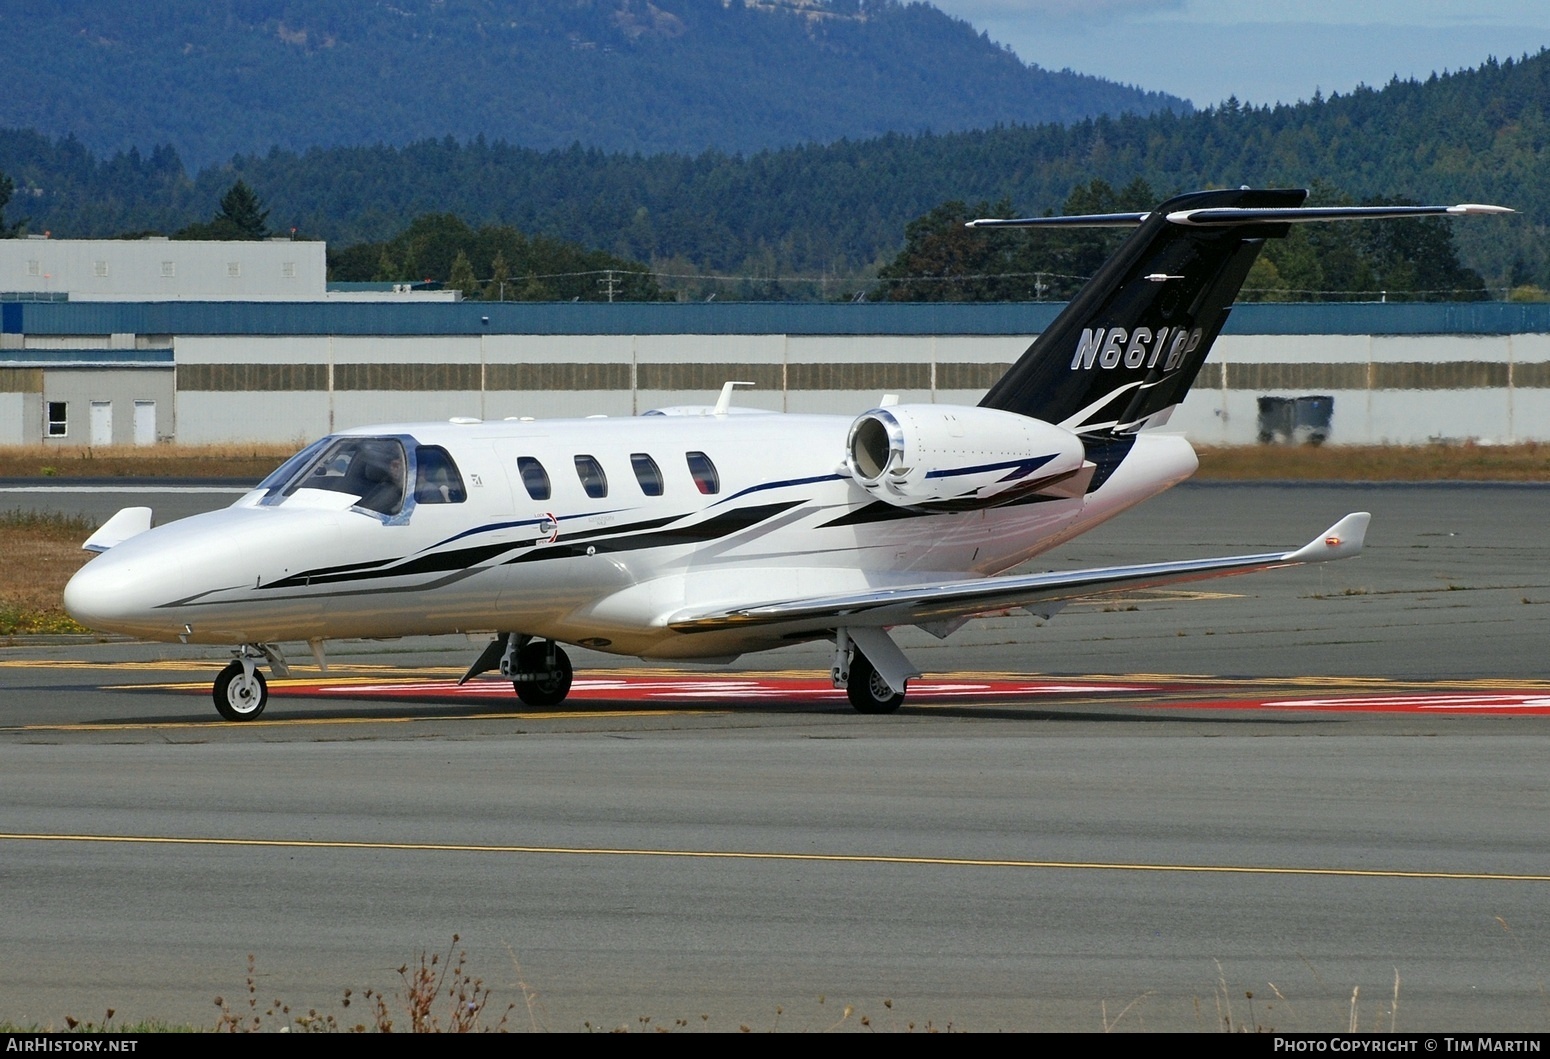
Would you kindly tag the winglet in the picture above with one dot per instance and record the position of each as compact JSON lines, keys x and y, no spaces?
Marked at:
{"x":1341,"y":541}
{"x":118,"y":529}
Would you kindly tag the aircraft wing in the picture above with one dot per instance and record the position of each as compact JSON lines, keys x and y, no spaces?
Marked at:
{"x":912,"y":605}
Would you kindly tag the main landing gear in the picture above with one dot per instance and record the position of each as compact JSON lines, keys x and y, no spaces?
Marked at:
{"x":871,"y":669}
{"x":539,"y":670}
{"x":868,"y":691}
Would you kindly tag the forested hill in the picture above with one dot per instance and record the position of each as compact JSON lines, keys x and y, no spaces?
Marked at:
{"x":1479,"y":135}
{"x":215,"y":78}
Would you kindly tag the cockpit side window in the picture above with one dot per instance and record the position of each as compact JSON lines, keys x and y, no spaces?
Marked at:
{"x":647,"y":473}
{"x":593,"y":480}
{"x":369,"y":468}
{"x":377,"y":474}
{"x":436,"y":479}
{"x":706,"y":479}
{"x":534,"y":478}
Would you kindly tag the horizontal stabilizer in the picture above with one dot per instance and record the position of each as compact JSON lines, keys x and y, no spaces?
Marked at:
{"x":918,"y":604}
{"x":129,"y":522}
{"x":1087,"y":220}
{"x":1223,"y":217}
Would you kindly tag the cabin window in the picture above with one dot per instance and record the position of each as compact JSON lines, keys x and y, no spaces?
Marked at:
{"x":706,"y":480}
{"x":534,"y":478}
{"x":436,"y":480}
{"x":647,"y":473}
{"x":593,"y":480}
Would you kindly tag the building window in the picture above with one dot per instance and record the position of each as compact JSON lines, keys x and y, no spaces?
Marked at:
{"x":593,"y":480}
{"x":34,"y":267}
{"x":168,"y":269}
{"x":100,"y":269}
{"x":58,"y":424}
{"x":234,"y":269}
{"x":288,"y":270}
{"x":647,"y":474}
{"x":706,"y":480}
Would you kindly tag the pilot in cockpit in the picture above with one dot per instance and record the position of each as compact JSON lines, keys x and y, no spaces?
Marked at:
{"x":382,"y":469}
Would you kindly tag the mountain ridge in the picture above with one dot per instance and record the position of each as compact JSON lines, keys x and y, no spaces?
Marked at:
{"x":238,"y":76}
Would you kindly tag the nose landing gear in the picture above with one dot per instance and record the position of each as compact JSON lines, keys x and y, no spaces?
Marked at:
{"x":241,"y":693}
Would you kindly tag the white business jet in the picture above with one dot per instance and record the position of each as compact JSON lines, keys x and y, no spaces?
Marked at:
{"x":703,"y":533}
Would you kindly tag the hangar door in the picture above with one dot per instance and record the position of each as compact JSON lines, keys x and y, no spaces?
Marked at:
{"x":145,"y":422}
{"x":102,"y":422}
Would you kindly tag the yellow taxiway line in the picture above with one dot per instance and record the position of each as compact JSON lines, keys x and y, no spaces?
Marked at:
{"x":753,"y":855}
{"x":208,"y":723}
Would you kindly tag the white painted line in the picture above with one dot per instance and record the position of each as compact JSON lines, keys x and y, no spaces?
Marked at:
{"x":122,"y":489}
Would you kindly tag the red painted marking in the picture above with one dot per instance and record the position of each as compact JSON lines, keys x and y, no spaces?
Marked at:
{"x":733,"y":690}
{"x":1418,"y":702}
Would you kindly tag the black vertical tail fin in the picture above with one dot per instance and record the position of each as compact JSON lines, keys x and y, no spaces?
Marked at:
{"x":1126,"y":349}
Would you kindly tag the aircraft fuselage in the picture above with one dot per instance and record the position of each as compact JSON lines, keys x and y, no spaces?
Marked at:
{"x":749,"y":507}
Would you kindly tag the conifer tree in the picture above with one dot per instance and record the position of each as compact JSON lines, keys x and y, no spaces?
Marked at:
{"x":8,"y":231}
{"x":462,"y":277}
{"x":241,"y":208}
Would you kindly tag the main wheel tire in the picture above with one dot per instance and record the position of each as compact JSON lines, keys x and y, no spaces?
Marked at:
{"x":868,"y":691}
{"x":546,"y":691}
{"x":238,"y":698}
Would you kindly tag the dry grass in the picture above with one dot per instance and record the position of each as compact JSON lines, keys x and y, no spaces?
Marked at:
{"x":438,"y":994}
{"x":1467,"y":462}
{"x":41,"y":553}
{"x":248,"y":461}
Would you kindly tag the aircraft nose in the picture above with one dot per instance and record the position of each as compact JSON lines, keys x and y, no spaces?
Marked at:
{"x":105,"y":595}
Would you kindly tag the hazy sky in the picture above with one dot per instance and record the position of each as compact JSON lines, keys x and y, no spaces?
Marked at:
{"x":1207,"y":50}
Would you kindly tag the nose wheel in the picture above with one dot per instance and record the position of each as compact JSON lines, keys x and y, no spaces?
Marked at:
{"x":241,"y":692}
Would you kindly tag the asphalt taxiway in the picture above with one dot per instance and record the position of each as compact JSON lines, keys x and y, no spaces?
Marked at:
{"x":1299,"y":785}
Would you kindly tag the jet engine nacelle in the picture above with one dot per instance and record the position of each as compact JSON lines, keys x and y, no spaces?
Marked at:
{"x":912,"y":454}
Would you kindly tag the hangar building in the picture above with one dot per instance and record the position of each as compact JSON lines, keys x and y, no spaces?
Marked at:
{"x":244,"y":341}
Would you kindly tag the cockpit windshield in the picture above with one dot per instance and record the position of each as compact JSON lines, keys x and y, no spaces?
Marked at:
{"x":371,"y":469}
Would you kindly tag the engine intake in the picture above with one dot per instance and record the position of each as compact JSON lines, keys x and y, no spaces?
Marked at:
{"x":912,"y":454}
